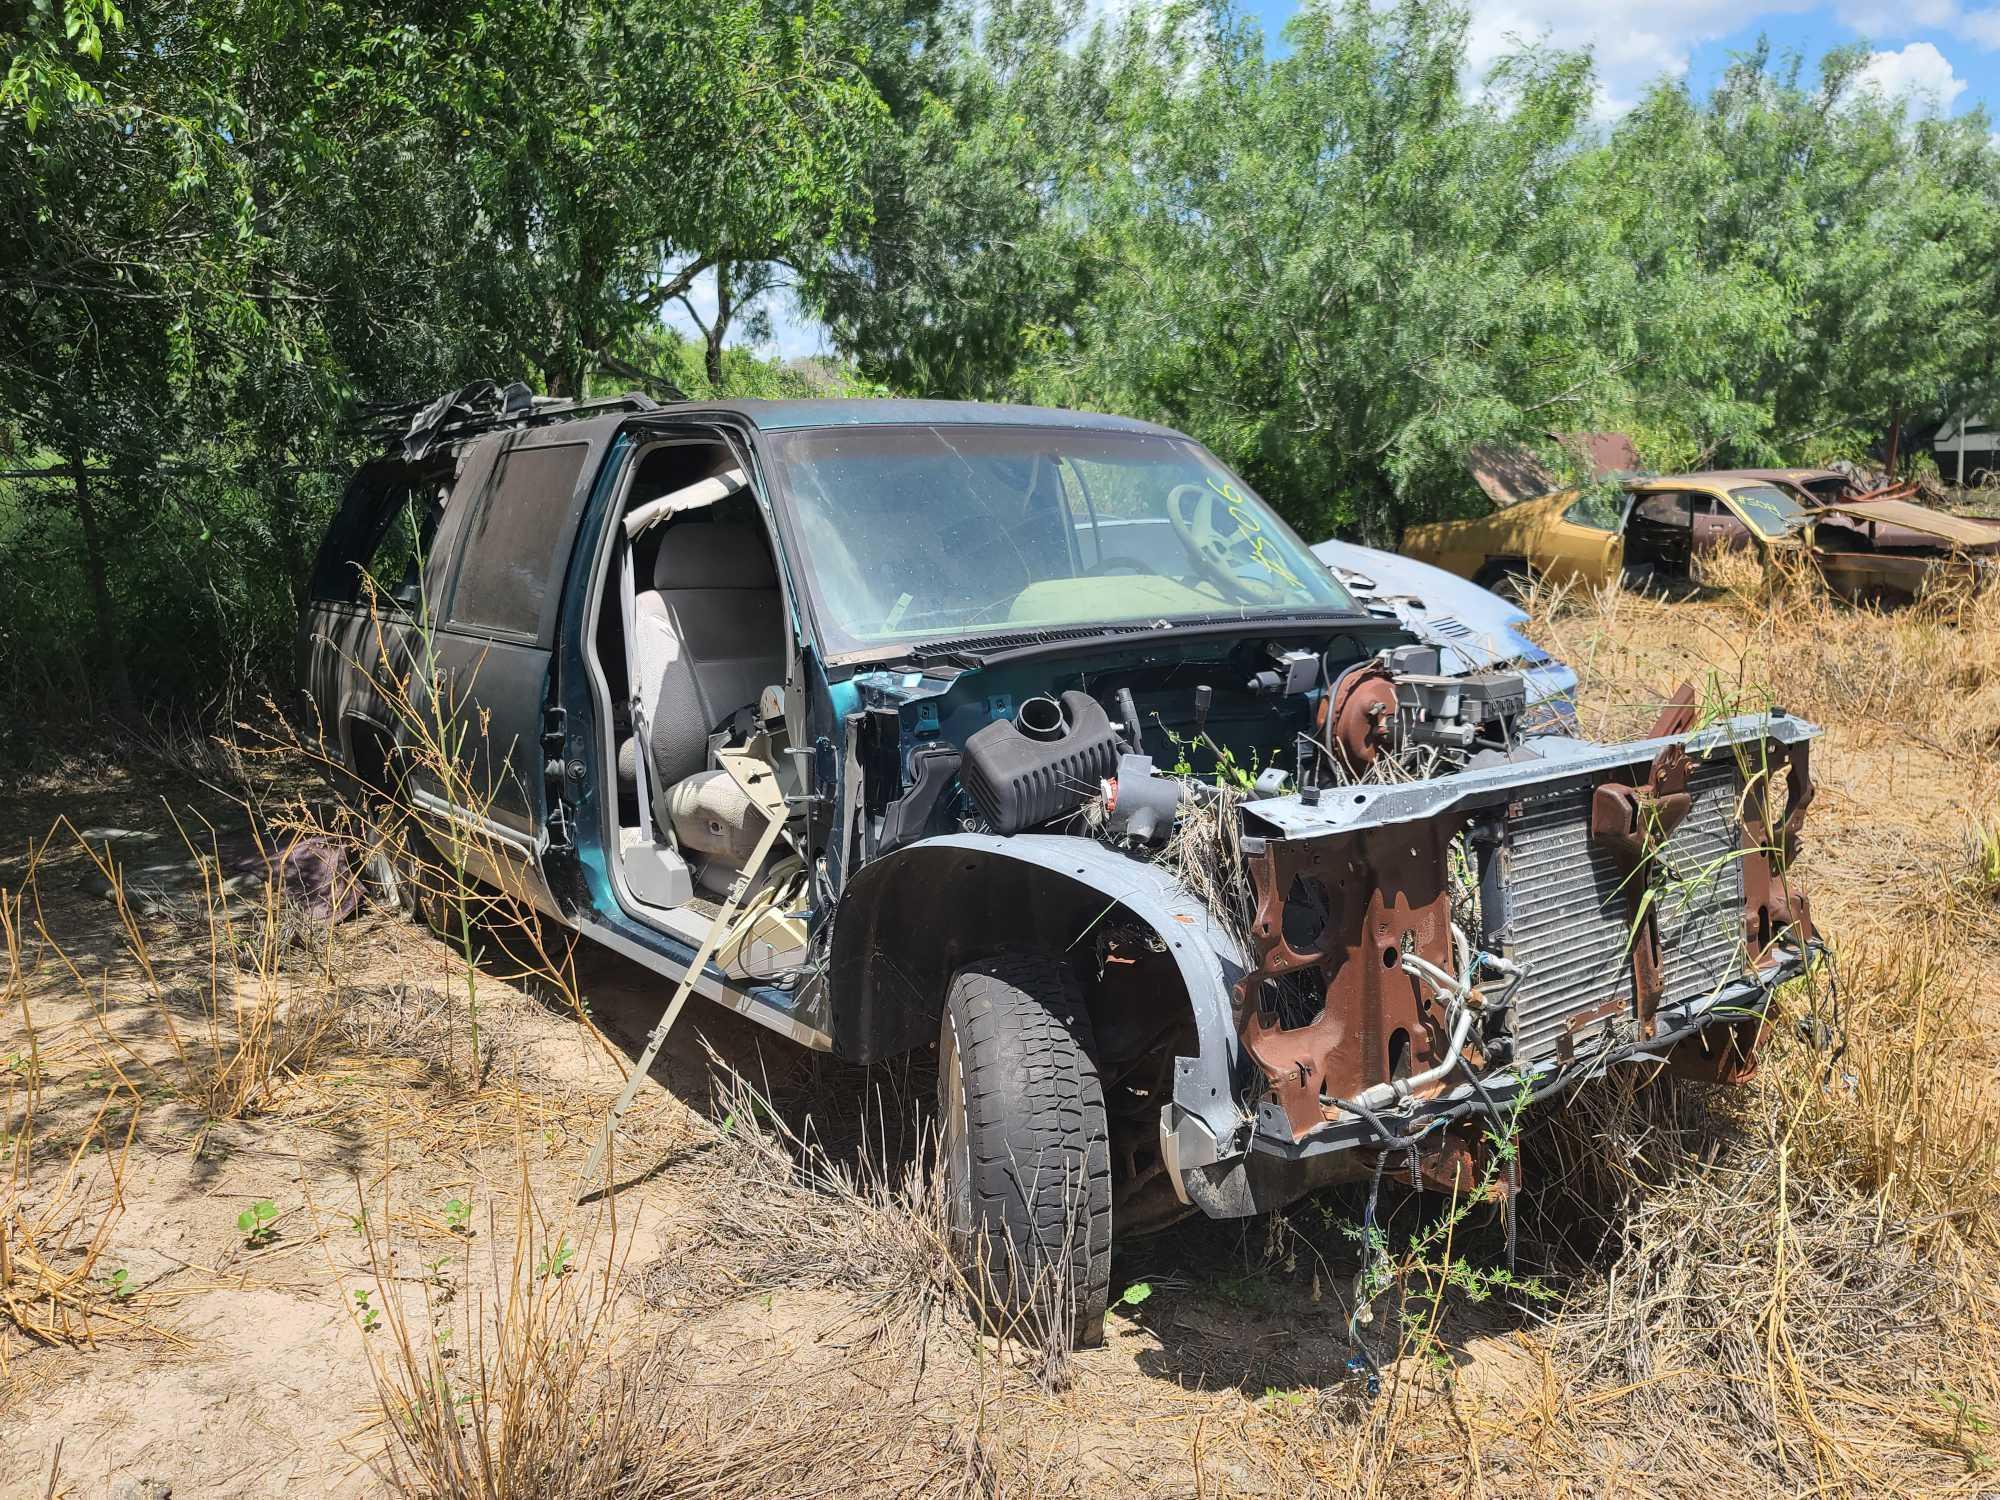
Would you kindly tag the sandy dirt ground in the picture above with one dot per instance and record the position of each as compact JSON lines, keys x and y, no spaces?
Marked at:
{"x":408,"y":1193}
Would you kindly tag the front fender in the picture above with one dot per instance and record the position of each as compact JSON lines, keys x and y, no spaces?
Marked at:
{"x":910,"y":919}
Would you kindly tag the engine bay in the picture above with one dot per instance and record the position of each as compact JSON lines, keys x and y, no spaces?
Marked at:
{"x":1119,"y":749}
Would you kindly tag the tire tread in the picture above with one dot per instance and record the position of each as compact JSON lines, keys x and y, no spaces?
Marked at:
{"x":1036,"y":1125}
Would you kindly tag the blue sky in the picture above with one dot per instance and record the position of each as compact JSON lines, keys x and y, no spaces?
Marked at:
{"x":1945,"y":54}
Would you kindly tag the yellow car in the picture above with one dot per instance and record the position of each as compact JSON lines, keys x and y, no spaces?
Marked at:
{"x":1649,"y":530}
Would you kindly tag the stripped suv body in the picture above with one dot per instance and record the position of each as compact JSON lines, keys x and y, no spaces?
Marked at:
{"x":1036,"y":741}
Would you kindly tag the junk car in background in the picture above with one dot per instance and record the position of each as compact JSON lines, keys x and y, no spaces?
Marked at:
{"x":1647,"y":531}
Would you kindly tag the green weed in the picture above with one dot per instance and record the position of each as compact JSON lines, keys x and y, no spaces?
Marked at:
{"x":256,"y":1223}
{"x":557,"y":1261}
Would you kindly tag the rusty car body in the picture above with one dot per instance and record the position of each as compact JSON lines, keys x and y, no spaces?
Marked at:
{"x":1206,"y":883}
{"x":1643,"y":531}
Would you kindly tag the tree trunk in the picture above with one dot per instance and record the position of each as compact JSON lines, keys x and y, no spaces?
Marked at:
{"x":1895,"y":439}
{"x":110,"y":648}
{"x":718,"y":328}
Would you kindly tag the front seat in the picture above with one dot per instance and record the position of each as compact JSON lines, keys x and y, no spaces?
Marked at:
{"x":708,"y":638}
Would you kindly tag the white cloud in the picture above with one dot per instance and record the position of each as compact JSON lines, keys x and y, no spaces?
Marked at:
{"x":1980,"y":27}
{"x":1872,"y":18}
{"x":1919,"y":71}
{"x":1877,"y":19}
{"x":1633,"y":44}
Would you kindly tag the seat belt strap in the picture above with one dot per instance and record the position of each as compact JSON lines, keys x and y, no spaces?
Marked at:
{"x":644,"y":772}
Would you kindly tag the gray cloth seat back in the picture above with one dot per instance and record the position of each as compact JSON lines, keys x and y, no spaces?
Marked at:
{"x":709,"y":637}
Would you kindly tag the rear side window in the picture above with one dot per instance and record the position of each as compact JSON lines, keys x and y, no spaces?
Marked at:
{"x":1664,"y":510}
{"x":515,"y":535}
{"x":385,"y":536}
{"x":1600,"y":510}
{"x":397,"y":562}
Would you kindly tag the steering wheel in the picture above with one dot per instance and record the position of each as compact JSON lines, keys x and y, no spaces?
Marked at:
{"x":1115,"y":564}
{"x":1222,"y":556}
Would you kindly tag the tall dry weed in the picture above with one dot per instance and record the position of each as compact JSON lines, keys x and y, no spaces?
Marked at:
{"x":447,"y":870}
{"x":515,"y":1390}
{"x":1928,"y":669}
{"x":545,"y":1382}
{"x":56,"y":1217}
{"x":256,"y":1015}
{"x":1799,"y":1289}
{"x":1904,"y":1112}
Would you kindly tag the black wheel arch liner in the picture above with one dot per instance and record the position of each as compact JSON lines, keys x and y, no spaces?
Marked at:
{"x":1498,"y":566}
{"x":910,"y":919}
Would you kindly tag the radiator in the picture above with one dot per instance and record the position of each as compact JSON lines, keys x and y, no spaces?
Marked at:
{"x":1570,"y":903}
{"x":1700,"y":903}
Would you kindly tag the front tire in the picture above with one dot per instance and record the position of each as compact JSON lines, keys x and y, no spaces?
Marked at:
{"x":1027,"y":1150}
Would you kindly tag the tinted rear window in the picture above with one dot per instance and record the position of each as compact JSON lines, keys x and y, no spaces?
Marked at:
{"x":515,"y":536}
{"x":1600,"y":510}
{"x":1665,"y":510}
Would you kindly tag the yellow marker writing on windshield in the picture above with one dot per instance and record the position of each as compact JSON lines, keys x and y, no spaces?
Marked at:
{"x":1273,"y":564}
{"x":1247,"y":525}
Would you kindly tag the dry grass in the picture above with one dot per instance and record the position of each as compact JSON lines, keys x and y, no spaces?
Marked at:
{"x":1902,"y":1114}
{"x":1802,"y":1273}
{"x":55,"y":1288}
{"x":247,"y":1025}
{"x":542,"y":1384}
{"x":1802,"y":1284}
{"x":776,"y":1211}
{"x":537,"y":1405}
{"x":1786,"y":1287}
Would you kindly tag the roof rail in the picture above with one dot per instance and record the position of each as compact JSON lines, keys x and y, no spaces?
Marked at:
{"x":415,"y":429}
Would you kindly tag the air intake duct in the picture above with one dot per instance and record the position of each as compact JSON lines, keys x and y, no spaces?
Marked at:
{"x":1024,"y":774}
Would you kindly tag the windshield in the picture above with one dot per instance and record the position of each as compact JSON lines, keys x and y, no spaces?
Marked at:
{"x":1770,"y":510}
{"x":915,"y":533}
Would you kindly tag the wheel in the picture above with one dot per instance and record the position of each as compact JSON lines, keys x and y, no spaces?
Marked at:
{"x":387,"y":869}
{"x":1027,"y":1151}
{"x":1511,"y":581}
{"x":402,"y":871}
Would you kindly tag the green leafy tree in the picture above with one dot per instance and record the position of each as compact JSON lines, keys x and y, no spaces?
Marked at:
{"x":226,"y":226}
{"x":1343,"y":268}
{"x":1871,"y":232}
{"x":978,"y":241}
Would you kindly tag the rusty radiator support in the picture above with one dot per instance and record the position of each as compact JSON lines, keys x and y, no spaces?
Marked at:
{"x":1340,"y":914}
{"x":1372,"y":896}
{"x":1635,"y":823}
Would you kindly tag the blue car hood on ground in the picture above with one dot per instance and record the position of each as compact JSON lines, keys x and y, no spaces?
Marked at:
{"x":1472,"y":627}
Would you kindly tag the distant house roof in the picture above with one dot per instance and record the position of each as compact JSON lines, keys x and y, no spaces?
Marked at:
{"x":1973,"y":434}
